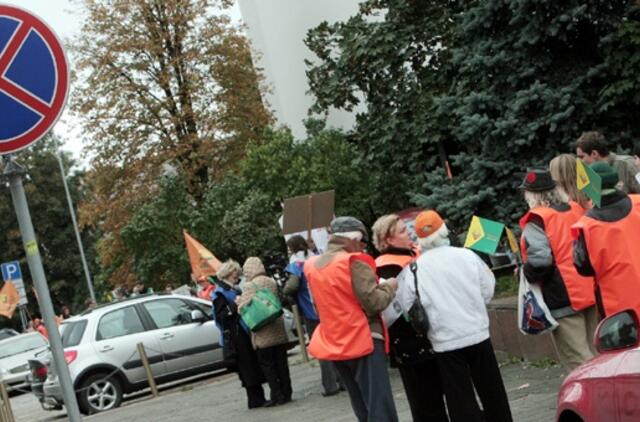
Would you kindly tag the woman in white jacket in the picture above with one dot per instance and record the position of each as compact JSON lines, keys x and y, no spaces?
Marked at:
{"x":455,"y":286}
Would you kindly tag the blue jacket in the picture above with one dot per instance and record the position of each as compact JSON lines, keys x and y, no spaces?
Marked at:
{"x":303,"y":297}
{"x":230,"y":295}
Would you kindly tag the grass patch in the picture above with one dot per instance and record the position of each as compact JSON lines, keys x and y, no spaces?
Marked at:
{"x":506,"y":285}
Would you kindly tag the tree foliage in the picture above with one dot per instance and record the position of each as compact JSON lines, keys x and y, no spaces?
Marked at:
{"x":501,"y":84}
{"x":52,"y":223}
{"x":389,"y":56}
{"x":240,"y":212}
{"x":159,"y":82}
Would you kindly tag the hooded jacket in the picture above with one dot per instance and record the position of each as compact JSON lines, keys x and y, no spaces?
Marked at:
{"x":274,"y":333}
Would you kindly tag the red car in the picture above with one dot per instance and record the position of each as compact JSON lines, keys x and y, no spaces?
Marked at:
{"x":606,"y":388}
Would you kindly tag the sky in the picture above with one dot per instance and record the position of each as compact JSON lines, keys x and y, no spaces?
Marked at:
{"x":66,"y":20}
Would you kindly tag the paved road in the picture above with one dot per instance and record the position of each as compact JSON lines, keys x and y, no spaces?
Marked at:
{"x":532,"y":394}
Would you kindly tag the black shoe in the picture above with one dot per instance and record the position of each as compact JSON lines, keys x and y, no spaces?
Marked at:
{"x":331,"y":393}
{"x":283,"y":401}
{"x":270,"y":403}
{"x":257,"y":405}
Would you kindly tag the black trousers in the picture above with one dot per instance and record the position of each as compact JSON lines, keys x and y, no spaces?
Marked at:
{"x":367,"y":382}
{"x":423,"y":388}
{"x":474,"y":366}
{"x":275,"y":366}
{"x":255,"y":396}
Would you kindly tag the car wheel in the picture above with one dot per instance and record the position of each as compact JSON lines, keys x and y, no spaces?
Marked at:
{"x":99,"y":394}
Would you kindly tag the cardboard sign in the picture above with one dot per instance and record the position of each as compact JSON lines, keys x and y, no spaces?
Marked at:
{"x":308,"y":212}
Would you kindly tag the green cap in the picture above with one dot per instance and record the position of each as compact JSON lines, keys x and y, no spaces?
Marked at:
{"x":607,"y":173}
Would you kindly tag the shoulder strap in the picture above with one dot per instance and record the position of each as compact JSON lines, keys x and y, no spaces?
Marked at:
{"x":413,"y":266}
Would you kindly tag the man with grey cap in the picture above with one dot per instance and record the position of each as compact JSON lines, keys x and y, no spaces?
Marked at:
{"x":351,"y":333}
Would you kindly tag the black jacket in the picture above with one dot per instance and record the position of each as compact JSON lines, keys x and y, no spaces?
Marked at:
{"x":405,"y":347}
{"x":237,"y":343}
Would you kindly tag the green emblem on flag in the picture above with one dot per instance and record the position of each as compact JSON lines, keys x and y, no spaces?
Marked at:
{"x":589,"y":182}
{"x":484,"y":235}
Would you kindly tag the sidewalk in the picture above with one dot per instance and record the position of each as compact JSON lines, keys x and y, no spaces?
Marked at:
{"x":532,"y":394}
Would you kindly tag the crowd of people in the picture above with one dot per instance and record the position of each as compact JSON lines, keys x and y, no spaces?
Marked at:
{"x":420,"y":306}
{"x":582,"y":255}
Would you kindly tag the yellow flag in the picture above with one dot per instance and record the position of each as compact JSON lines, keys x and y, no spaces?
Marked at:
{"x":203,"y":262}
{"x":583,"y":178}
{"x":513,"y":243}
{"x":9,"y":299}
{"x":476,"y":232}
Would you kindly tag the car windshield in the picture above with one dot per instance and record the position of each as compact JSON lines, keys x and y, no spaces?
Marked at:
{"x":20,"y":344}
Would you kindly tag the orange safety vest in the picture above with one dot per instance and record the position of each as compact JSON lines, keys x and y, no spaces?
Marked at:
{"x":343,"y":332}
{"x":557,"y":227}
{"x":614,"y":252}
{"x":390,"y":259}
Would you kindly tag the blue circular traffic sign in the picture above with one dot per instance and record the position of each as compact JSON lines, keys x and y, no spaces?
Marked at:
{"x":34,"y":79}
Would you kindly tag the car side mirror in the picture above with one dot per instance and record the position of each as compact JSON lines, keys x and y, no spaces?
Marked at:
{"x":617,"y":332}
{"x":198,"y":316}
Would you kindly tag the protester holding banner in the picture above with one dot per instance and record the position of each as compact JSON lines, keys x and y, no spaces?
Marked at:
{"x":297,"y":288}
{"x":563,"y":172}
{"x":408,"y":352}
{"x":454,"y":287}
{"x":235,"y":335}
{"x":606,"y":245}
{"x":547,"y":257}
{"x":351,"y":333}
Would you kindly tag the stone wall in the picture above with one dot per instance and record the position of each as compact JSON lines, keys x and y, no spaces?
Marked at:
{"x":506,"y":337}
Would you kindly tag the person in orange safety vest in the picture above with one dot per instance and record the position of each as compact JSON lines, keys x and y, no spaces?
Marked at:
{"x":409,"y":352}
{"x":606,"y":246}
{"x":546,"y":247}
{"x":351,"y":332}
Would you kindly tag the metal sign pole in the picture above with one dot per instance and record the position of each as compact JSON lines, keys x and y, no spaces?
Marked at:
{"x":23,"y":318}
{"x":75,"y":228}
{"x":14,"y":173}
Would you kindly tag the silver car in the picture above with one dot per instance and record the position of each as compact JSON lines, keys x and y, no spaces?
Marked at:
{"x":179,"y":337}
{"x":15,"y":353}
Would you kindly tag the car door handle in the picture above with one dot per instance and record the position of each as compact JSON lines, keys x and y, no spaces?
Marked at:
{"x":106,"y":348}
{"x":166,"y":336}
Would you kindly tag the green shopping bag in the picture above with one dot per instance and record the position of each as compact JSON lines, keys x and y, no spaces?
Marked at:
{"x":263,"y":309}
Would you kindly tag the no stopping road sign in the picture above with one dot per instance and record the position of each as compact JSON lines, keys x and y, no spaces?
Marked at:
{"x":34,"y":79}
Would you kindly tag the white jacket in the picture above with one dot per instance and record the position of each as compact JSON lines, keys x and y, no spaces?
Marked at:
{"x":455,"y":286}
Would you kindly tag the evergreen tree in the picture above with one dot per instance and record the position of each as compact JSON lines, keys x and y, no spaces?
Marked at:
{"x":389,"y":58}
{"x":528,"y":76}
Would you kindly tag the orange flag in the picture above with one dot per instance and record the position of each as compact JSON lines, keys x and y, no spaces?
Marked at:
{"x":9,"y":299}
{"x":203,"y":262}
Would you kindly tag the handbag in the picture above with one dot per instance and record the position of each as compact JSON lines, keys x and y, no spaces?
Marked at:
{"x":534,"y":316}
{"x":261,"y":310}
{"x":417,"y":315}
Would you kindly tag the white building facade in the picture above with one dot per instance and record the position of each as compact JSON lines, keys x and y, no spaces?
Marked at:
{"x":277,"y":29}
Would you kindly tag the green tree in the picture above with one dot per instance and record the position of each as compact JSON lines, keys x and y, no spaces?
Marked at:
{"x":154,"y":237}
{"x":527,"y":79}
{"x":499,"y":85}
{"x":52,"y":224}
{"x":389,"y":57}
{"x":239,"y":216}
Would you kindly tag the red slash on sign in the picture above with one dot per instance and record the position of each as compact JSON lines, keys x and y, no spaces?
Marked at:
{"x":34,"y":79}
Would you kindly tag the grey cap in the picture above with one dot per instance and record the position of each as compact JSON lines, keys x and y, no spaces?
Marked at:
{"x":348,"y":224}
